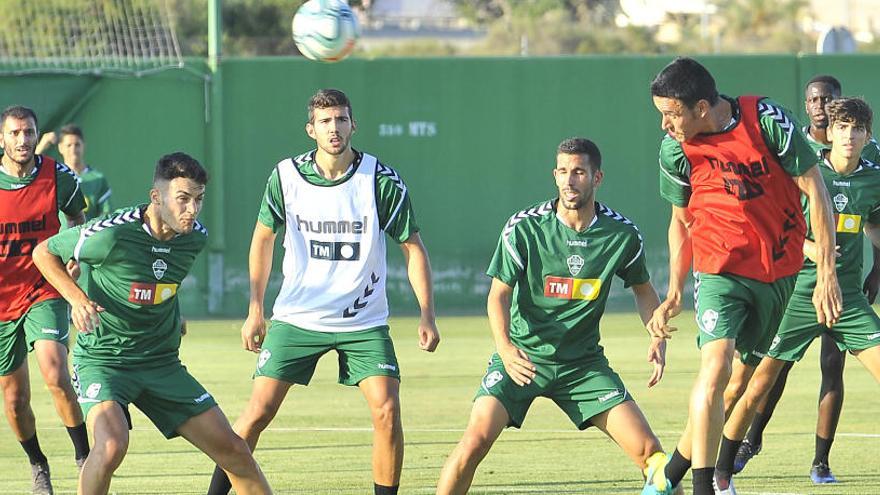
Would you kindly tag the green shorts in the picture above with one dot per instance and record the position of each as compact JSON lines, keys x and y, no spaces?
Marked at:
{"x":745,"y":310}
{"x":291,"y":353}
{"x":858,"y":328}
{"x":582,"y":392}
{"x":45,"y":320}
{"x":168,"y":395}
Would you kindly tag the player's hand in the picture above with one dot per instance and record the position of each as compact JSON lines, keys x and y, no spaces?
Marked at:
{"x":827,"y":300}
{"x":48,"y":139}
{"x":73,"y":269}
{"x":429,"y":336}
{"x":182,"y":327}
{"x":519,"y":367}
{"x":658,"y":326}
{"x":253,"y":332}
{"x":871,"y":285}
{"x":85,"y":315}
{"x":657,"y":356}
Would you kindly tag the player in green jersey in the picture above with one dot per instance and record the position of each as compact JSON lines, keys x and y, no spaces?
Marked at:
{"x":336,"y":206}
{"x":551,"y":276}
{"x":40,"y":326}
{"x":854,"y":184}
{"x":741,"y":229}
{"x":819,"y":91}
{"x":127,"y":349}
{"x":72,"y":146}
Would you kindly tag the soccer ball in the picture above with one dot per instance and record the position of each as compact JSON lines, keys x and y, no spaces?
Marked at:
{"x":325,"y":30}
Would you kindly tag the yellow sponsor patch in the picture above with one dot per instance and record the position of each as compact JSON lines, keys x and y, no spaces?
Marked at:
{"x":572,"y":288}
{"x":849,"y":223}
{"x":149,"y":294}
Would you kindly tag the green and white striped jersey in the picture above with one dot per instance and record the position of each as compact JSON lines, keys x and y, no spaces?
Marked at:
{"x":135,"y":277}
{"x":561,"y":279}
{"x":855,"y":199}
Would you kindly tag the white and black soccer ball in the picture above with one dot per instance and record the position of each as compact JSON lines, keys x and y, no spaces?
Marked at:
{"x":325,"y":30}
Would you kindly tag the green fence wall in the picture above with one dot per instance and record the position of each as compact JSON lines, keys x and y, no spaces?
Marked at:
{"x":474,"y":140}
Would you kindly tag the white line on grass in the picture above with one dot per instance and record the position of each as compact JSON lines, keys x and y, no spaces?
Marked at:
{"x":574,"y":431}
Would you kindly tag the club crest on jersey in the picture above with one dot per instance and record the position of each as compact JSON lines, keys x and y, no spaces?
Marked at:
{"x":586,"y":289}
{"x":840,"y":201}
{"x":159,"y":268}
{"x":575,"y":263}
{"x":150,"y":294}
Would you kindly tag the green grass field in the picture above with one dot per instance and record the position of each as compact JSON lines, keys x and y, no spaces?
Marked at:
{"x":320,"y":441}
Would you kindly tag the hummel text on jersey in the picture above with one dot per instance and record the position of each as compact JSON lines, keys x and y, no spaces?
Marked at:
{"x":149,"y":294}
{"x":23,"y":227}
{"x":572,"y":288}
{"x":331,"y":226}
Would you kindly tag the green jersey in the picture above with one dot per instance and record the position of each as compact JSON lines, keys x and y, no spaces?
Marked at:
{"x":561,"y":279}
{"x":781,"y":136}
{"x":135,"y":277}
{"x":69,"y":195}
{"x":96,"y":191}
{"x":856,"y":200}
{"x":870,"y":152}
{"x":394,"y":207}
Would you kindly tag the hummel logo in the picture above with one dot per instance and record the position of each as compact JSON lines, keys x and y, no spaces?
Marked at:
{"x":51,"y":330}
{"x":165,"y":250}
{"x":202,"y":398}
{"x":609,"y":395}
{"x":387,"y":367}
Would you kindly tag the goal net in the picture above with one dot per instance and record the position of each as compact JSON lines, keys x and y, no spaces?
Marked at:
{"x":87,"y":37}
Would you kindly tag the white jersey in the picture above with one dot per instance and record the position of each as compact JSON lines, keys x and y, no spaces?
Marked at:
{"x":334,"y":253}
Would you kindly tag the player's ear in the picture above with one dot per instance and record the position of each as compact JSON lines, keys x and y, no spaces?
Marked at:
{"x":354,"y":125}
{"x":598,"y":175}
{"x":155,"y":196}
{"x":310,"y":130}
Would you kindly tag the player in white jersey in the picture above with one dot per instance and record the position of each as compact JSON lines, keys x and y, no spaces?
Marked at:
{"x":336,"y":205}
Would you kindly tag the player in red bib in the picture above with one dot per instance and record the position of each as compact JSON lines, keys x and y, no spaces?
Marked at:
{"x":33,"y":316}
{"x":733,"y":169}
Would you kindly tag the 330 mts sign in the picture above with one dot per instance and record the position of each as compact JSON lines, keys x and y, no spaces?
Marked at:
{"x":411,"y":129}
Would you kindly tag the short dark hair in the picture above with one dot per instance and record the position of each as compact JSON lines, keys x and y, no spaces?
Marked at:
{"x":328,"y":98}
{"x":581,"y":146}
{"x":825,"y":79}
{"x":18,"y":112}
{"x":71,"y":129}
{"x":854,"y":111}
{"x":686,"y":80}
{"x":179,"y":164}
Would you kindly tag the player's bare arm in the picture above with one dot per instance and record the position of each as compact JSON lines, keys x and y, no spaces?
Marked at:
{"x":517,"y":364}
{"x":83,"y":311}
{"x":48,"y":139}
{"x":872,"y":280}
{"x":73,"y":266}
{"x":253,"y":331}
{"x":647,"y":302}
{"x":418,"y":267}
{"x":826,"y":296}
{"x":680,"y":259}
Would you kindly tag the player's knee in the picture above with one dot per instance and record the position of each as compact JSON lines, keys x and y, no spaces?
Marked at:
{"x":832,"y":366}
{"x":236,"y":456}
{"x":387,"y":415}
{"x":475,"y":446}
{"x":109,"y":452}
{"x":17,"y":402}
{"x":258,"y":417}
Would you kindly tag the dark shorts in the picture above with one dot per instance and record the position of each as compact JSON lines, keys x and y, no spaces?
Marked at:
{"x":742,"y":309}
{"x":582,"y":392}
{"x":291,"y":354}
